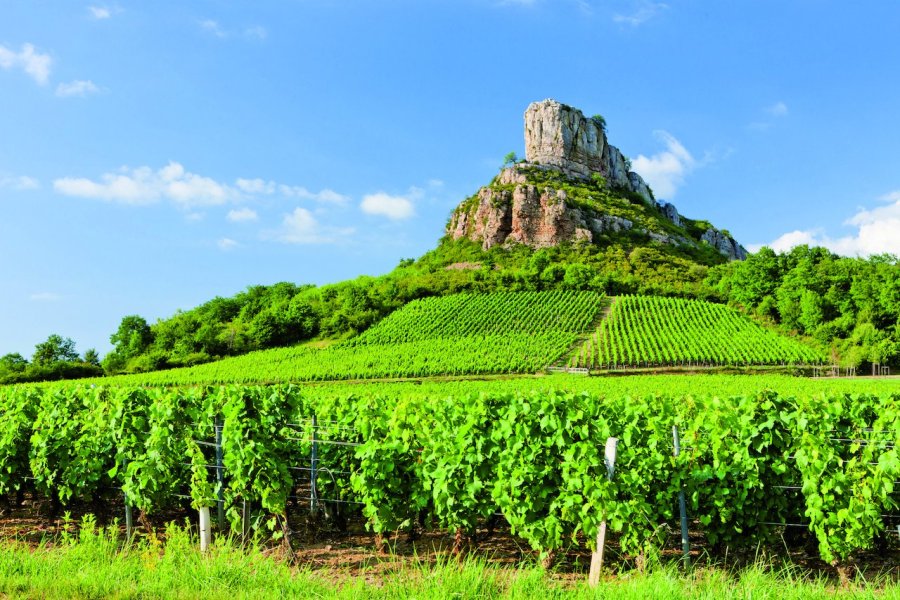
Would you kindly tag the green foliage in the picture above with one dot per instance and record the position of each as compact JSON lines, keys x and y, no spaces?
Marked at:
{"x":644,"y":330}
{"x":848,"y":304}
{"x":464,"y":334}
{"x":510,"y":158}
{"x":443,"y":454}
{"x":55,"y":349}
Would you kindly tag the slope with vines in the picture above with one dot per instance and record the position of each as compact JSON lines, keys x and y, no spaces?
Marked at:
{"x":656,"y":331}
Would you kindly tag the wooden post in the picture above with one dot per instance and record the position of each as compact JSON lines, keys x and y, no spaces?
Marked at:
{"x":597,"y":556}
{"x":205,"y":529}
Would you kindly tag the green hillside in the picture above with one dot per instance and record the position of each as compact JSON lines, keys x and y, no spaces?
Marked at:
{"x":654,"y":331}
{"x":462,"y":334}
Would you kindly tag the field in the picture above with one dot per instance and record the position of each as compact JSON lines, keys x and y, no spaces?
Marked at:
{"x":274,"y":441}
{"x":463,"y":334}
{"x":759,"y":452}
{"x":510,"y":333}
{"x":655,"y":331}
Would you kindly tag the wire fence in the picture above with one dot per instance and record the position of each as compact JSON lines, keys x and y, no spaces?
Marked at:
{"x":308,"y":486}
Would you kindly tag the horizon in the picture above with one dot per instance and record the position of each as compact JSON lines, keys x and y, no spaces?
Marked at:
{"x":159,"y":156}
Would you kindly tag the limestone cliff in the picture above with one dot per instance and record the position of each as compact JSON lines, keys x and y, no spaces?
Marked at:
{"x":555,"y":197}
{"x":561,"y":137}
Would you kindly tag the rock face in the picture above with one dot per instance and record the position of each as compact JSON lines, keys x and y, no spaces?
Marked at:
{"x":559,"y":136}
{"x":525,"y":215}
{"x":671,"y":213}
{"x":513,"y":210}
{"x":724,"y":244}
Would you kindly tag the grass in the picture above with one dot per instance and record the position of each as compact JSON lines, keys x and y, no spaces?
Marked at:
{"x":96,"y":563}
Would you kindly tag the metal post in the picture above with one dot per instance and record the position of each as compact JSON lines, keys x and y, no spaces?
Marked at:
{"x":597,"y":556}
{"x":314,"y":465}
{"x":245,"y":521}
{"x":682,"y":509}
{"x":129,"y":520}
{"x":220,"y":475}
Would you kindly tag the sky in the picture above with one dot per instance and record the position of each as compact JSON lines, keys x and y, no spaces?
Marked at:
{"x":154,"y":155}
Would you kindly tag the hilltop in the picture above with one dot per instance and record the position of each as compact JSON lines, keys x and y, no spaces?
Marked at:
{"x":576,"y":187}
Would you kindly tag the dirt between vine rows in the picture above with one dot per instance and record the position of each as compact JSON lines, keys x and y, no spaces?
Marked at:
{"x":320,"y":547}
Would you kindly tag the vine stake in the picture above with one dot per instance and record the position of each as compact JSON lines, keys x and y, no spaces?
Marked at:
{"x":597,"y":555}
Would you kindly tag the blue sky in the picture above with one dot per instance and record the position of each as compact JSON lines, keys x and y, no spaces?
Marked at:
{"x":155,"y":155}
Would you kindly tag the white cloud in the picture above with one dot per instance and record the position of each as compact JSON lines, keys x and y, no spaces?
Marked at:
{"x":226,"y":244}
{"x":327,"y":196}
{"x":35,"y":64}
{"x":393,"y":207}
{"x":779,"y":109}
{"x":146,"y":186}
{"x":100,"y":12}
{"x":776,"y":111}
{"x":256,"y":32}
{"x":666,"y":170}
{"x":78,"y":87}
{"x":877,"y":232}
{"x":256,"y":186}
{"x":213,"y":27}
{"x":253,"y":32}
{"x":643,"y":13}
{"x":261,"y":187}
{"x":242,"y":215}
{"x":301,"y":227}
{"x":19,"y":183}
{"x":44,"y":297}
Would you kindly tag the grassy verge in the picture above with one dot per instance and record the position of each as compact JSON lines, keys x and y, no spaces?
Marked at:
{"x":96,"y":564}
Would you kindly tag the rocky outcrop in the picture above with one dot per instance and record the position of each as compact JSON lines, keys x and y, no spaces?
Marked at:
{"x":521,"y":213}
{"x":526,"y":215}
{"x":560,"y":136}
{"x":517,"y":208}
{"x":724,"y":243}
{"x":670,"y":212}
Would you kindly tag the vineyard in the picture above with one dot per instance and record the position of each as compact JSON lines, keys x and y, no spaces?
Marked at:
{"x":656,"y":331}
{"x":456,"y":457}
{"x":464,"y":334}
{"x":501,"y":313}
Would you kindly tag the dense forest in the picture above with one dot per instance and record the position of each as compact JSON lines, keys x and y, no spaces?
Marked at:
{"x":848,"y":307}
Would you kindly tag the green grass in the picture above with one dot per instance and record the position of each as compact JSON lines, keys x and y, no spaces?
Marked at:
{"x":96,"y":563}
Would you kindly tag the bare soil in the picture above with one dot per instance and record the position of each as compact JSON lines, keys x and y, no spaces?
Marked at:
{"x":351,"y":551}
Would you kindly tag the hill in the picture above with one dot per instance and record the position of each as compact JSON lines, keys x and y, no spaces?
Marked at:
{"x":574,"y":186}
{"x":571,"y":216}
{"x":461,"y":334}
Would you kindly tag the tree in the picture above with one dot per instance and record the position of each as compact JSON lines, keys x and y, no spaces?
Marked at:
{"x":55,"y":349}
{"x":132,"y":338}
{"x":13,"y":363}
{"x":600,"y":121}
{"x":510,"y":159}
{"x":91,"y":357}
